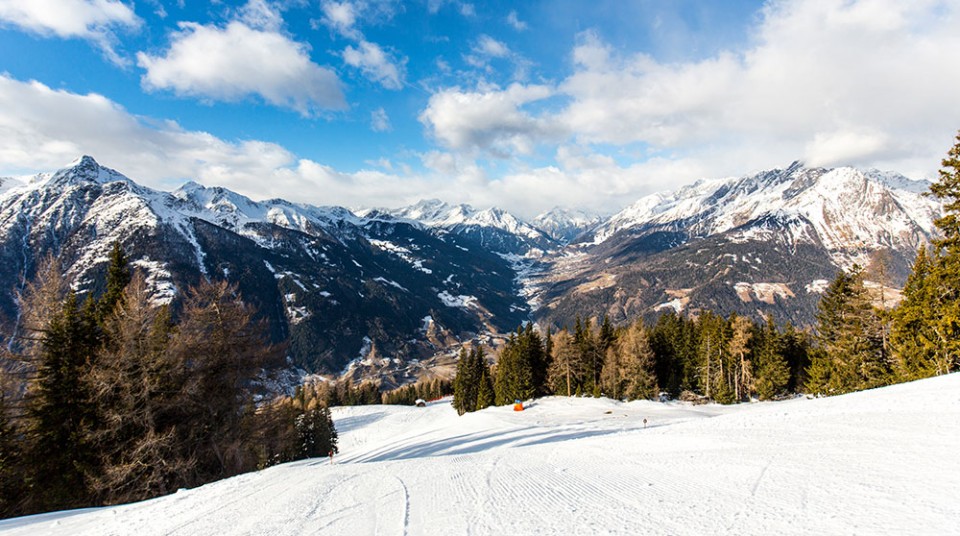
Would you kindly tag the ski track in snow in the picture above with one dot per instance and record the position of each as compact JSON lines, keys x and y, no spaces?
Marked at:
{"x":877,"y":462}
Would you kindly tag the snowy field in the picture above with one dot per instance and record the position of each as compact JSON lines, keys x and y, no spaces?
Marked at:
{"x":878,"y":462}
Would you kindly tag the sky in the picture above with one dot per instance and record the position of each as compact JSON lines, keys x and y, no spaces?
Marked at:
{"x":523,"y":105}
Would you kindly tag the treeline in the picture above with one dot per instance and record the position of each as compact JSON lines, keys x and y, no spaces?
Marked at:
{"x":725,"y":359}
{"x":115,"y":399}
{"x":855,"y":345}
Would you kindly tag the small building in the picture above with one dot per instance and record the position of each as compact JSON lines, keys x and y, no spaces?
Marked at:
{"x":420,"y":403}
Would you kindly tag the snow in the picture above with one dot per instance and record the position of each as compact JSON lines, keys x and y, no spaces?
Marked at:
{"x":877,"y":462}
{"x":461,"y":301}
{"x":817,"y":285}
{"x":391,"y":283}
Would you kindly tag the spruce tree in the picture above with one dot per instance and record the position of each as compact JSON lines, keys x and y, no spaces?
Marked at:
{"x":941,"y":319}
{"x":918,"y":352}
{"x":60,"y":411}
{"x":465,"y":384}
{"x":118,"y":277}
{"x":850,"y":335}
{"x":773,"y":372}
{"x":316,"y":433}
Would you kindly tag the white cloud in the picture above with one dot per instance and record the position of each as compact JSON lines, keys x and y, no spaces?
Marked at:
{"x":514,"y":21}
{"x":42,"y":129}
{"x":492,"y":120}
{"x":487,"y":48}
{"x":375,"y":64}
{"x":490,"y":47}
{"x":228,"y":64}
{"x":341,"y":17}
{"x":379,"y":120}
{"x":258,"y":14}
{"x":93,"y":20}
{"x":834,"y":82}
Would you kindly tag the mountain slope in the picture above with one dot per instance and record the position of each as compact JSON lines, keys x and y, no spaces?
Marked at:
{"x":753,"y":245}
{"x":338,"y":287}
{"x":874,"y":462}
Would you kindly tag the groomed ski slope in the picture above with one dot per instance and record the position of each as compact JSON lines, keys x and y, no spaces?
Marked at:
{"x":877,"y":462}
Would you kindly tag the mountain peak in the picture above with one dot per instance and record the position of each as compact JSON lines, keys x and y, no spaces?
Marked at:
{"x":84,"y":161}
{"x":86,"y":169}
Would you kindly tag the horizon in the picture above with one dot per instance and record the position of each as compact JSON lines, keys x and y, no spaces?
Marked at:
{"x":373,"y":103}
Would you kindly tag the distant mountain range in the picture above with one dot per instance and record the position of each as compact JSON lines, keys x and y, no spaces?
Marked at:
{"x":393,"y":292}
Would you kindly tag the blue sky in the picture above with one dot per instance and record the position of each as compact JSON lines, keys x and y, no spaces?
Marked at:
{"x":526,"y":105}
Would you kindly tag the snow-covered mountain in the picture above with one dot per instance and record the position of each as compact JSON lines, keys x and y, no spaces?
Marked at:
{"x":752,"y":244}
{"x":337,"y":287}
{"x":493,"y":228}
{"x":881,"y":461}
{"x":848,"y":210}
{"x":387,"y":290}
{"x":565,"y":224}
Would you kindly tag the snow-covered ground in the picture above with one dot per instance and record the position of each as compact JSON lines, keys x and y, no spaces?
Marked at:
{"x":878,"y":462}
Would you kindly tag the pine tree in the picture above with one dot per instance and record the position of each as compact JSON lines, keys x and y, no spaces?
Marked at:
{"x":918,"y":352}
{"x":316,"y":433}
{"x":465,"y":384}
{"x":218,"y":348}
{"x":515,"y":372}
{"x":773,"y":372}
{"x":118,"y":277}
{"x":850,"y":334}
{"x":936,"y":346}
{"x":60,"y":411}
{"x":485,"y":395}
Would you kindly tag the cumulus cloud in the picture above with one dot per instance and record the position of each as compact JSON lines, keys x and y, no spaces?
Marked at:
{"x":236,"y":61}
{"x":379,"y":120}
{"x":93,"y":20}
{"x":833,"y":82}
{"x":375,"y":64}
{"x":492,"y":120}
{"x":341,"y":17}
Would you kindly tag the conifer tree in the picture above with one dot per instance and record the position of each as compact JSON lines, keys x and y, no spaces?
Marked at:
{"x":485,"y":395}
{"x":739,"y":349}
{"x":566,"y":368}
{"x":849,"y":333}
{"x":134,"y":392}
{"x":637,"y":361}
{"x":316,"y":433}
{"x":773,"y":373}
{"x":936,"y":347}
{"x":60,"y":410}
{"x":218,"y":348}
{"x":118,"y":277}
{"x":515,"y":372}
{"x":465,"y":384}
{"x":918,"y":352}
{"x":12,"y":490}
